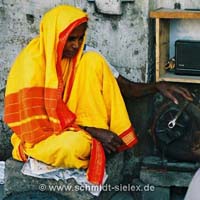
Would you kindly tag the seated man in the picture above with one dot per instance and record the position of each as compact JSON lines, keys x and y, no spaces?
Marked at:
{"x":63,"y":105}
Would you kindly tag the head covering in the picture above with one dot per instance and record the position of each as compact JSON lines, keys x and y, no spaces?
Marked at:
{"x":34,"y":108}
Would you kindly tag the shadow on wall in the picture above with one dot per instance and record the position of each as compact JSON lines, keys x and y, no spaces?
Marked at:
{"x":5,"y":134}
{"x":5,"y":144}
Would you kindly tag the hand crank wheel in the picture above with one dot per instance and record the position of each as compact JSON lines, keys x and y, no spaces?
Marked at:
{"x":160,"y":129}
{"x":182,"y":142}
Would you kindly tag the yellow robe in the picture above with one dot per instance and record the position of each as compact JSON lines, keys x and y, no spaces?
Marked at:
{"x":53,"y":97}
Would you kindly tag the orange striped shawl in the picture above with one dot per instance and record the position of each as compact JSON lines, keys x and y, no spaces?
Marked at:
{"x":34,"y":108}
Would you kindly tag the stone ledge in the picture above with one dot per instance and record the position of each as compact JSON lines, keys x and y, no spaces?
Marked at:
{"x":16,"y":182}
{"x":165,"y":173}
{"x":35,"y":195}
{"x":161,"y":193}
{"x":165,"y":178}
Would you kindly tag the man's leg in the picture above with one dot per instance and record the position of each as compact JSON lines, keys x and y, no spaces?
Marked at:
{"x":69,"y":149}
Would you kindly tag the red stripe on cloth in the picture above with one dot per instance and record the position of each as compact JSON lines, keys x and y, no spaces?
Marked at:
{"x":129,"y":138}
{"x":96,"y":167}
{"x":62,"y":40}
{"x":125,"y":147}
{"x":21,"y":153}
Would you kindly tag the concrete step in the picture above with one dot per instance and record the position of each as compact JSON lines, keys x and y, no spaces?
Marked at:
{"x":18,"y":184}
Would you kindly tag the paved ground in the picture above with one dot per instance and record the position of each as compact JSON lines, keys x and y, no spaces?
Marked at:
{"x":36,"y":195}
{"x":48,"y":196}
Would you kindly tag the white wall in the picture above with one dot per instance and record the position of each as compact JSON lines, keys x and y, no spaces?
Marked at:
{"x":124,"y":40}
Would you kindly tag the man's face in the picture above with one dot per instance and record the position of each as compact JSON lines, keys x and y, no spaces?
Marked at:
{"x":74,"y":41}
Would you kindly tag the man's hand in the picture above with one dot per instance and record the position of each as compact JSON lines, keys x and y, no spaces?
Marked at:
{"x":135,"y":90}
{"x":108,"y":139}
{"x":168,"y":90}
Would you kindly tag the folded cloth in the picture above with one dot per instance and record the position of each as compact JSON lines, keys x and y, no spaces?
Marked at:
{"x":38,"y":169}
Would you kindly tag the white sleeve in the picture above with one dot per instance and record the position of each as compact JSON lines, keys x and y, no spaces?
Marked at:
{"x":113,"y":69}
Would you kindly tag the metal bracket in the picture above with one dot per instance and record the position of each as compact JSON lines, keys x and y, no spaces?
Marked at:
{"x":110,"y":7}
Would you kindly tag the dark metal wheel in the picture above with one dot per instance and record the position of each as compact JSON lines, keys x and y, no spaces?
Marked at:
{"x":162,"y":131}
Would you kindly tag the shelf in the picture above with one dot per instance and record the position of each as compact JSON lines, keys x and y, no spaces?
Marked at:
{"x":174,"y":14}
{"x":170,"y":77}
{"x":162,"y":31}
